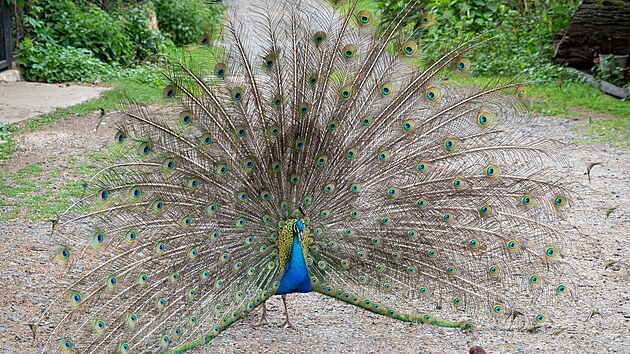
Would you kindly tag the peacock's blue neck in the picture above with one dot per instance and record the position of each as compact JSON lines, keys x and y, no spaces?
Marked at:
{"x":295,"y":278}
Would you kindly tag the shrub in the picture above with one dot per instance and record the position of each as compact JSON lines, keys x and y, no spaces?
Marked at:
{"x":147,"y":42}
{"x":90,"y":28}
{"x":524,"y":46}
{"x":185,"y":20}
{"x":55,"y":63}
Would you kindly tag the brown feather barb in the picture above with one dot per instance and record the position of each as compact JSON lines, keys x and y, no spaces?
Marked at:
{"x":423,"y":199}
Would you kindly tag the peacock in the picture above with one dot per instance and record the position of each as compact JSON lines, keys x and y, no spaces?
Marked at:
{"x":315,"y":155}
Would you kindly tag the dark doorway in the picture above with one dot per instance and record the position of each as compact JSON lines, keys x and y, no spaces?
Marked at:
{"x":6,"y":52}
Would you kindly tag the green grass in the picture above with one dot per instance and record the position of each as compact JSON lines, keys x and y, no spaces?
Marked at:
{"x":609,"y":118}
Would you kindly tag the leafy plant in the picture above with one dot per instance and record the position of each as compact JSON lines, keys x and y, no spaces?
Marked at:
{"x":55,"y":63}
{"x":608,"y":69}
{"x":185,"y":20}
{"x":90,"y":28}
{"x":147,"y":42}
{"x":524,"y":32}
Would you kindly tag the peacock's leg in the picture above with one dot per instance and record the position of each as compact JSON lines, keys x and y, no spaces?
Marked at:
{"x":263,"y":318}
{"x":287,"y":323}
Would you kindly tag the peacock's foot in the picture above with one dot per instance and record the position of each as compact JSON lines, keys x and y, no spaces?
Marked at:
{"x":288,"y":324}
{"x":263,"y":317}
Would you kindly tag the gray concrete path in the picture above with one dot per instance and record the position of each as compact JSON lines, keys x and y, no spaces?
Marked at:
{"x":20,"y":101}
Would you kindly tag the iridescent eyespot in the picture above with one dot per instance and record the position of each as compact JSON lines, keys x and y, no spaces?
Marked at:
{"x":493,"y":270}
{"x":351,"y":153}
{"x":364,"y":17}
{"x":528,"y":200}
{"x":294,"y":179}
{"x":463,"y":65}
{"x":559,"y":201}
{"x":269,"y":60}
{"x":75,"y":299}
{"x":386,"y":220}
{"x":319,"y":37}
{"x":345,"y":92}
{"x":304,"y":108}
{"x":325,"y":213}
{"x":185,"y":117}
{"x":321,"y":160}
{"x":432,"y":253}
{"x":426,"y":20}
{"x":135,"y":192}
{"x":422,"y":203}
{"x":62,"y":254}
{"x":386,"y":89}
{"x":120,"y":137}
{"x":492,"y":171}
{"x":512,"y":245}
{"x":447,"y":217}
{"x":329,"y":188}
{"x":236,"y":94}
{"x":540,"y":318}
{"x":383,"y":156}
{"x":497,"y":309}
{"x":423,"y":166}
{"x":484,"y":118}
{"x":299,"y":144}
{"x":142,"y":279}
{"x":333,"y":125}
{"x":457,"y":301}
{"x":520,"y":92}
{"x":169,"y":92}
{"x":562,"y":289}
{"x":193,"y":183}
{"x":67,"y":345}
{"x":103,"y":195}
{"x":168,"y":165}
{"x":365,"y":121}
{"x":219,"y":70}
{"x":349,"y":51}
{"x":411,"y":233}
{"x":408,"y":125}
{"x":240,"y":131}
{"x":355,"y":187}
{"x":450,"y":270}
{"x":433,"y":94}
{"x":221,"y":169}
{"x":111,"y":282}
{"x":144,"y":149}
{"x":551,"y":252}
{"x":450,"y":144}
{"x":393,"y":192}
{"x":409,"y":48}
{"x":473,"y":243}
{"x":485,"y":210}
{"x":99,"y":326}
{"x":159,"y":247}
{"x":459,"y":183}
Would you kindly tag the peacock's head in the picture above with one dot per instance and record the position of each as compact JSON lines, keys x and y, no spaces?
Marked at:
{"x":298,"y":229}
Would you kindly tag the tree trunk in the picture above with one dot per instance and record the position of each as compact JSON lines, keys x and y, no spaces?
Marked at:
{"x":597,"y":27}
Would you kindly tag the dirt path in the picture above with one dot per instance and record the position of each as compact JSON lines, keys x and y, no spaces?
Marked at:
{"x":331,"y":326}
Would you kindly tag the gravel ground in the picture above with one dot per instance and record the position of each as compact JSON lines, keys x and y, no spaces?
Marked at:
{"x":327,"y":325}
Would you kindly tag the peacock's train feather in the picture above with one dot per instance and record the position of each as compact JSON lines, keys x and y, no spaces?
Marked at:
{"x":312,"y":156}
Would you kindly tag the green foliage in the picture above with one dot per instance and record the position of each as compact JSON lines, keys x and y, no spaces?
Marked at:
{"x":7,"y":145}
{"x":87,"y":27}
{"x":147,"y":42}
{"x":55,"y":63}
{"x":526,"y":32}
{"x":609,"y":70}
{"x":185,"y":20}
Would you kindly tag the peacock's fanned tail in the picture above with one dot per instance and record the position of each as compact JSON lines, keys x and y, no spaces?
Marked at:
{"x":424,"y":200}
